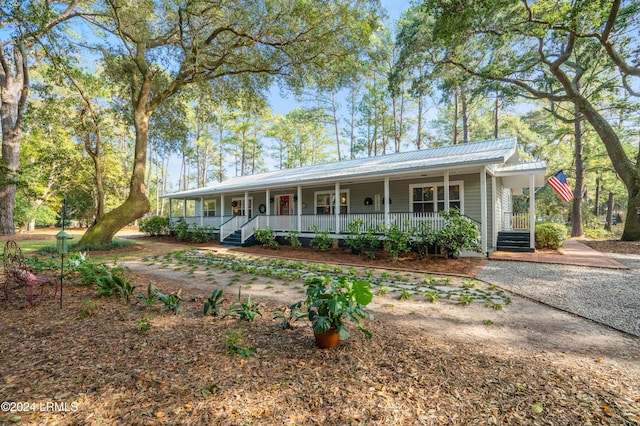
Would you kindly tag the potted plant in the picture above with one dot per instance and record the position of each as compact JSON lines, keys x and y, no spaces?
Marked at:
{"x":332,"y":301}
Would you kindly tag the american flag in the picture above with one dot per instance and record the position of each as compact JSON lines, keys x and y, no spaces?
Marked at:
{"x":559,"y":183}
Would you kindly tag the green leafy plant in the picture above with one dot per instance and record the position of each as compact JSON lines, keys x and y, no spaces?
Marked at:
{"x":88,"y":308}
{"x":171,"y":301}
{"x":180,"y":229}
{"x":267,"y":238}
{"x":155,"y":226}
{"x":288,"y":315}
{"x":358,"y":239}
{"x":424,"y":238}
{"x":459,"y":233}
{"x":143,"y":325}
{"x":150,"y":298}
{"x":235,"y":343}
{"x":331,"y":301}
{"x":293,"y":239}
{"x":465,"y":299}
{"x":322,"y":241}
{"x":405,"y":294}
{"x":382,"y":290}
{"x":245,"y":311}
{"x":212,"y":304}
{"x":124,"y":287}
{"x":397,"y":241}
{"x":550,"y":235}
{"x":432,"y":296}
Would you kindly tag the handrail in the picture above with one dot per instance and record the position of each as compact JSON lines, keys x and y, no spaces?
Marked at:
{"x":230,"y":226}
{"x":249,"y":228}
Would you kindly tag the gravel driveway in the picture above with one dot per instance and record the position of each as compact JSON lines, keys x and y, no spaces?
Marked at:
{"x":607,"y":296}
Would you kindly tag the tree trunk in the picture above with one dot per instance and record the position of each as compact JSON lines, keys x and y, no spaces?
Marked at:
{"x":334,"y":112}
{"x":455,"y":116}
{"x":596,"y":209}
{"x":626,"y":169}
{"x":607,"y":224}
{"x":14,"y":93}
{"x":137,"y":204}
{"x":11,"y":160}
{"x":419,"y":135}
{"x":496,"y":116}
{"x":576,"y":212}
{"x":465,"y":114}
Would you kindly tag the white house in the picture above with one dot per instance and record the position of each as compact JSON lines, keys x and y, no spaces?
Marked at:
{"x":404,"y":188}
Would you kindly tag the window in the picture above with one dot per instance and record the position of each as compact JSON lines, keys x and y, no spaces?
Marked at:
{"x":326,"y":202}
{"x":209,"y":208}
{"x":429,"y":197}
{"x":237,"y":204}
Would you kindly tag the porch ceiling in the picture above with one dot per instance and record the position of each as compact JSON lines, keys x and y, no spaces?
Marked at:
{"x":517,"y":175}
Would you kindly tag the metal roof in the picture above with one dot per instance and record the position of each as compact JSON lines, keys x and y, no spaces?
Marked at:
{"x":496,"y":151}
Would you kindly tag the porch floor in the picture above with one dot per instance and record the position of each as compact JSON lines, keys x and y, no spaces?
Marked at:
{"x":572,"y":253}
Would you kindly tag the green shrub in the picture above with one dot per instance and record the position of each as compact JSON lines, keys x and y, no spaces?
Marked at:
{"x":550,"y":235}
{"x":293,"y":239}
{"x":267,"y":238}
{"x":358,"y":240}
{"x":180,"y":229}
{"x":424,"y":237}
{"x":322,"y":241}
{"x":155,"y":226}
{"x":459,"y":233}
{"x":397,"y":241}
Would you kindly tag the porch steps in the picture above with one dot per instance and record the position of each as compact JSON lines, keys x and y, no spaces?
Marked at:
{"x":235,"y":240}
{"x":514,"y":241}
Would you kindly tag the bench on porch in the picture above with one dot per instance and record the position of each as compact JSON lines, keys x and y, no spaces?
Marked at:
{"x":16,"y":271}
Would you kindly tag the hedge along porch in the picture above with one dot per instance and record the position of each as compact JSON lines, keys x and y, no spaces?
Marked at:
{"x":405,"y":188}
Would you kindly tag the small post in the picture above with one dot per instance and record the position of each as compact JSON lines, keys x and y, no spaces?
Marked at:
{"x":62,"y":245}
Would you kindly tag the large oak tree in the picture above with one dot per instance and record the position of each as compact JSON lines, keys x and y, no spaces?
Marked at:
{"x":164,"y":46}
{"x":542,"y":48}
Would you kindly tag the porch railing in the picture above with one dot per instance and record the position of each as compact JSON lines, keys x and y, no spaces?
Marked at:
{"x":515,"y":221}
{"x":208,"y":221}
{"x":322,"y":223}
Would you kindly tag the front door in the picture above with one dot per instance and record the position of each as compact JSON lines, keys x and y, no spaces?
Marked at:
{"x":284,"y":205}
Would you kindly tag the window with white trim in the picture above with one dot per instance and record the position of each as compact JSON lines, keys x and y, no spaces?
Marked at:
{"x":429,"y":197}
{"x":209,"y":208}
{"x":325,"y":202}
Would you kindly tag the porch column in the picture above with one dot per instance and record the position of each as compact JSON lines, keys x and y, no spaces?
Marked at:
{"x":201,"y":211}
{"x":299,"y":209}
{"x":246,"y":206}
{"x":532,"y":211}
{"x":387,"y":219}
{"x":446,"y":191}
{"x":184,"y":207}
{"x":494,"y":216}
{"x":170,"y":207}
{"x":483,"y":208}
{"x":337,"y":207}
{"x":221,"y":209}
{"x":268,"y":204}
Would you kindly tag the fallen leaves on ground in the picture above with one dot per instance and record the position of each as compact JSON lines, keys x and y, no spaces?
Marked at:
{"x":179,"y":372}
